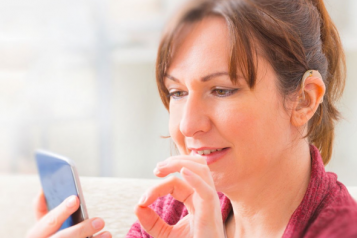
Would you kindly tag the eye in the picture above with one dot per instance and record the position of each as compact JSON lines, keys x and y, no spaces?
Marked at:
{"x":177,"y":94}
{"x":220,"y":92}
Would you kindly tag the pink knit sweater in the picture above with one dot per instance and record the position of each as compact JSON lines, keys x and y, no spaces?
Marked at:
{"x":327,"y":209}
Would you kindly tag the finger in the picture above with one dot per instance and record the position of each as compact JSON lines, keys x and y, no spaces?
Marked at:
{"x":84,"y":229}
{"x":40,"y":205}
{"x":104,"y":234}
{"x":181,"y":191}
{"x":152,"y":223}
{"x":197,"y":159}
{"x":175,"y":165}
{"x":178,"y":188}
{"x":206,"y":192}
{"x":52,"y":221}
{"x":209,"y":199}
{"x":148,"y":219}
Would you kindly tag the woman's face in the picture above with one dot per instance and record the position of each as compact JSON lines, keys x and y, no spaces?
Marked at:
{"x":248,"y":128}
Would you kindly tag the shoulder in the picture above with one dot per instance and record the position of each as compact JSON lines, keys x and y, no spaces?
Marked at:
{"x":338,"y":195}
{"x":336,"y":215}
{"x":335,"y":222}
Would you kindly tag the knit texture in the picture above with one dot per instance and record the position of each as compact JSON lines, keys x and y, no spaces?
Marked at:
{"x":327,"y":209}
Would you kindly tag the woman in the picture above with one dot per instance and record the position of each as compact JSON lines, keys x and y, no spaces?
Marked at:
{"x":251,"y":88}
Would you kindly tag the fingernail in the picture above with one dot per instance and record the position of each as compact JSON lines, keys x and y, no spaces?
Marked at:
{"x":71,"y":201}
{"x":97,"y":224}
{"x":105,"y":235}
{"x":142,"y":199}
{"x":156,"y":171}
{"x":186,"y":172}
{"x":162,"y":164}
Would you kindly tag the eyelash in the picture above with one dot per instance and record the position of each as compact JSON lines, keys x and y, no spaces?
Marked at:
{"x":172,"y":94}
{"x":228,"y":92}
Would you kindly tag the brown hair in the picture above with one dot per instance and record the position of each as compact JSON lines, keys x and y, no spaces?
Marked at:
{"x":294,"y":35}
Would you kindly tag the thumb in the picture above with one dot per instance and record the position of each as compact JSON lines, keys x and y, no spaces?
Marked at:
{"x":40,"y":205}
{"x":152,"y":223}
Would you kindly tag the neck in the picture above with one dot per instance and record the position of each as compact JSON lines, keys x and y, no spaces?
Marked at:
{"x":263,"y":207}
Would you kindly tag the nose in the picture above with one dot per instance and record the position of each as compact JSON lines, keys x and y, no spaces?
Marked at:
{"x":195,"y":117}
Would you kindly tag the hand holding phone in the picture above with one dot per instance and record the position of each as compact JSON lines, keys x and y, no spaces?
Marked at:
{"x":60,"y":208}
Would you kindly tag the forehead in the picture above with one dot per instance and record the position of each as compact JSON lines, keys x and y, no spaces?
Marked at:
{"x":201,"y":48}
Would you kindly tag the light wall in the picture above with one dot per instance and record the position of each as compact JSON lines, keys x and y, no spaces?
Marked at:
{"x":77,"y":77}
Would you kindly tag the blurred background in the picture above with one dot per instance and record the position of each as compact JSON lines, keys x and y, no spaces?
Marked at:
{"x":78,"y":78}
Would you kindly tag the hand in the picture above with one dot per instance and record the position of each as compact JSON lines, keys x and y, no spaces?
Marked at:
{"x":48,"y":223}
{"x":196,"y":191}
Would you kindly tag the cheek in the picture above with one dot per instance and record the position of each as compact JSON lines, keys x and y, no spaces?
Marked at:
{"x":250,"y":125}
{"x":237,"y":123}
{"x":174,"y":127}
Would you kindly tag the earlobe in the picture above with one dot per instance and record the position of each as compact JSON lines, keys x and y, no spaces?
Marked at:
{"x":310,"y":96}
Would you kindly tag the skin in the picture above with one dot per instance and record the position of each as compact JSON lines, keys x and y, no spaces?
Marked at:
{"x":265,"y":172}
{"x":48,"y":223}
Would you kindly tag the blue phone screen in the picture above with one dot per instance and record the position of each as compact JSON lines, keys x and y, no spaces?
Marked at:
{"x":57,"y":183}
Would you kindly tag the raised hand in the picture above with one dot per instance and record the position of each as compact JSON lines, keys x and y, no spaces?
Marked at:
{"x":196,"y":191}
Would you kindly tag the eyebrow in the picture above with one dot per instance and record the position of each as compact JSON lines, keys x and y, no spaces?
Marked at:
{"x":203,"y":79}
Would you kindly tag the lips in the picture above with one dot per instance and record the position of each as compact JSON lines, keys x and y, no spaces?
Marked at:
{"x":210,"y":154}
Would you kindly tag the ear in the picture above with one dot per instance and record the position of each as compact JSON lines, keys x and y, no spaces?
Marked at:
{"x":309,"y":98}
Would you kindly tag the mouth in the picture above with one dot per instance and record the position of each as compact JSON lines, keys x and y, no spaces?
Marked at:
{"x":210,"y":154}
{"x":208,"y":151}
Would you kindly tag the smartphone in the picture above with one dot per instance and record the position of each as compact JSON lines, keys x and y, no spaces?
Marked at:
{"x":59,"y":180}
